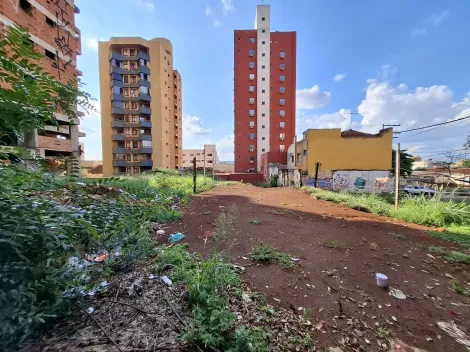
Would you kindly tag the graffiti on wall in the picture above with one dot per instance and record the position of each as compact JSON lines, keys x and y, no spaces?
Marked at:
{"x":324,"y":183}
{"x":375,"y":181}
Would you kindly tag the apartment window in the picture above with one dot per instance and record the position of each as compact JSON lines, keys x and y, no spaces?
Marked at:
{"x":263,"y":54}
{"x":263,"y":103}
{"x":135,"y":118}
{"x":133,"y":92}
{"x":282,"y":136}
{"x":282,"y":78}
{"x":252,"y":76}
{"x":252,"y":112}
{"x":25,"y":5}
{"x":282,"y":147}
{"x":119,"y":156}
{"x":282,"y":90}
{"x":128,"y":157}
{"x":263,"y":30}
{"x":126,"y":79}
{"x":133,"y":79}
{"x":305,"y":152}
{"x":282,"y":66}
{"x":136,"y":170}
{"x":125,"y":92}
{"x":282,"y":54}
{"x":252,"y":53}
{"x":50,"y":22}
{"x":135,"y":132}
{"x":282,"y":101}
{"x":263,"y":114}
{"x":135,"y":157}
{"x":252,"y":124}
{"x":282,"y":124}
{"x":144,"y":90}
{"x":263,"y":42}
{"x":252,"y":100}
{"x":133,"y":52}
{"x":252,"y":136}
{"x":127,"y":131}
{"x":252,"y":148}
{"x":252,"y":40}
{"x":252,"y":65}
{"x":125,"y":52}
{"x":49,"y":54}
{"x":126,"y":105}
{"x":146,"y":144}
{"x":135,"y":144}
{"x":252,"y":159}
{"x":282,"y":113}
{"x":252,"y":89}
{"x":263,"y":18}
{"x":134,"y":106}
{"x":263,"y":138}
{"x":263,"y":126}
{"x":263,"y":79}
{"x":133,"y":65}
{"x":126,"y":65}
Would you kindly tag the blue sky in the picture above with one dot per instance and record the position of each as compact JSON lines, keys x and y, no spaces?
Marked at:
{"x":392,"y":61}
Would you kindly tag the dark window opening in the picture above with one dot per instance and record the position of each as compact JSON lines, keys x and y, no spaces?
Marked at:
{"x":50,"y":22}
{"x":25,"y":5}
{"x":49,"y":54}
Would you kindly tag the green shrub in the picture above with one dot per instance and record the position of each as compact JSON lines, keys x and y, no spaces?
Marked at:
{"x":268,"y":254}
{"x":273,"y":180}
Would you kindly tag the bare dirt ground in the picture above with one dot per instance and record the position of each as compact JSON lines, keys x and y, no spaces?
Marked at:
{"x":342,"y":248}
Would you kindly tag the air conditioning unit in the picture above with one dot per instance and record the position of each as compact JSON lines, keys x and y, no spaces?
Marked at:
{"x":252,"y":150}
{"x":252,"y":161}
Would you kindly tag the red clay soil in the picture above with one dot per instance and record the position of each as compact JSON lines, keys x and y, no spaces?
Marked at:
{"x":339,"y":246}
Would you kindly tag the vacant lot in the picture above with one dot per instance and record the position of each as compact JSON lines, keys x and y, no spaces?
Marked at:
{"x":340,"y":250}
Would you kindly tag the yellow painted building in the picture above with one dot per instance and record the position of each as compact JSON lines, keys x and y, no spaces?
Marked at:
{"x":348,"y":150}
{"x":141,"y":115}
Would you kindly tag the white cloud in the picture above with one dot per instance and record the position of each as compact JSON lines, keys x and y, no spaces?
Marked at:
{"x":437,"y":18}
{"x":225,"y":150}
{"x":227,"y":6}
{"x":417,"y":32}
{"x":192,"y":126}
{"x":339,"y":77}
{"x":148,"y":5}
{"x":340,"y":119}
{"x":387,"y":72}
{"x":312,"y":98}
{"x":217,"y":23}
{"x":91,"y":125}
{"x":208,"y":11}
{"x":92,"y":43}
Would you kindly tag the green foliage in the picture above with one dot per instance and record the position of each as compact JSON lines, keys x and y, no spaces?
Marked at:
{"x":457,"y":287}
{"x":406,"y":163}
{"x":255,"y":222}
{"x":455,"y":234}
{"x":268,"y":254}
{"x":45,"y":220}
{"x":273,"y":180}
{"x":29,"y":96}
{"x":437,"y":250}
{"x":420,"y":210}
{"x":466,"y":163}
{"x":226,"y":229}
{"x":458,"y":257}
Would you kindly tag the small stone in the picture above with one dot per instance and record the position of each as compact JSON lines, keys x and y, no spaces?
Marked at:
{"x":429,"y":339}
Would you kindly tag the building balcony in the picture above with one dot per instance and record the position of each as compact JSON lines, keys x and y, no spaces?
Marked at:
{"x":138,"y":84}
{"x":140,"y":55}
{"x":118,"y":110}
{"x":140,"y":137}
{"x":115,"y":83}
{"x":124,"y":163}
{"x":138,"y":97}
{"x":144,"y":110}
{"x":52,"y":143}
{"x":131,"y":124}
{"x":136,"y":71}
{"x":122,"y":150}
{"x":64,"y":129}
{"x":122,"y":111}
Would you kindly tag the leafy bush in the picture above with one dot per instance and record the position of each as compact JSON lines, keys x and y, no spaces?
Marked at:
{"x":273,"y":180}
{"x":46,"y":220}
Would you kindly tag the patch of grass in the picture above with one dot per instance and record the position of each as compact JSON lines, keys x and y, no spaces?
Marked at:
{"x":458,"y":257}
{"x":433,"y":211}
{"x":458,"y":288}
{"x":383,"y":332}
{"x":332,"y":244}
{"x":437,"y":250}
{"x":207,"y":212}
{"x":398,"y":236}
{"x":268,"y":254}
{"x":255,"y":222}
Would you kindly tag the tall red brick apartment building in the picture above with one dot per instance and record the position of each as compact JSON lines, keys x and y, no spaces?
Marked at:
{"x":264,"y":88}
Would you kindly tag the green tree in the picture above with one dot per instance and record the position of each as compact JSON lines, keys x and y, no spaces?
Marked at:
{"x":466,"y":163}
{"x":29,"y":96}
{"x":406,"y":163}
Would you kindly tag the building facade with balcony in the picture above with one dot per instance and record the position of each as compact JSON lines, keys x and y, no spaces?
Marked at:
{"x":264,"y":92}
{"x":206,"y":157}
{"x":51,"y":25}
{"x":141,"y":114}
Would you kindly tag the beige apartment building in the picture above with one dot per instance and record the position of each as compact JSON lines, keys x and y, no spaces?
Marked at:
{"x":206,"y":157}
{"x":53,"y":34}
{"x":141,"y":115}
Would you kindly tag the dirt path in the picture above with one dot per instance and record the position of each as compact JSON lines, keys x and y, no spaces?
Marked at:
{"x":339,"y":246}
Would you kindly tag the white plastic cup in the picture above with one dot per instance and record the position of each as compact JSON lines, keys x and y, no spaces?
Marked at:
{"x":166,"y":280}
{"x":382,"y":280}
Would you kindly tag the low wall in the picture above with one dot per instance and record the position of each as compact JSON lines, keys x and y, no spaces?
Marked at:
{"x":245,"y":178}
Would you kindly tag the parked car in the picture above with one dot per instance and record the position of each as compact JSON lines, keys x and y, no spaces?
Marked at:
{"x":419,"y":190}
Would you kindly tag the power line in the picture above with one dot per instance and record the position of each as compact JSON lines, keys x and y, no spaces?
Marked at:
{"x":437,"y":124}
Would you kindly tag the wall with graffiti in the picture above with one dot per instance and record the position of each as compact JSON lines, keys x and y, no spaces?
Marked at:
{"x":374,"y":181}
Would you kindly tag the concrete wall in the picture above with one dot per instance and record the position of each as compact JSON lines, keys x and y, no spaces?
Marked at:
{"x":209,"y":154}
{"x":349,"y":150}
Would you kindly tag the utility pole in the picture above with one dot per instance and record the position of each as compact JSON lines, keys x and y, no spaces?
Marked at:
{"x":397,"y":174}
{"x":194,"y":175}
{"x":317,"y":166}
{"x":204,"y":165}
